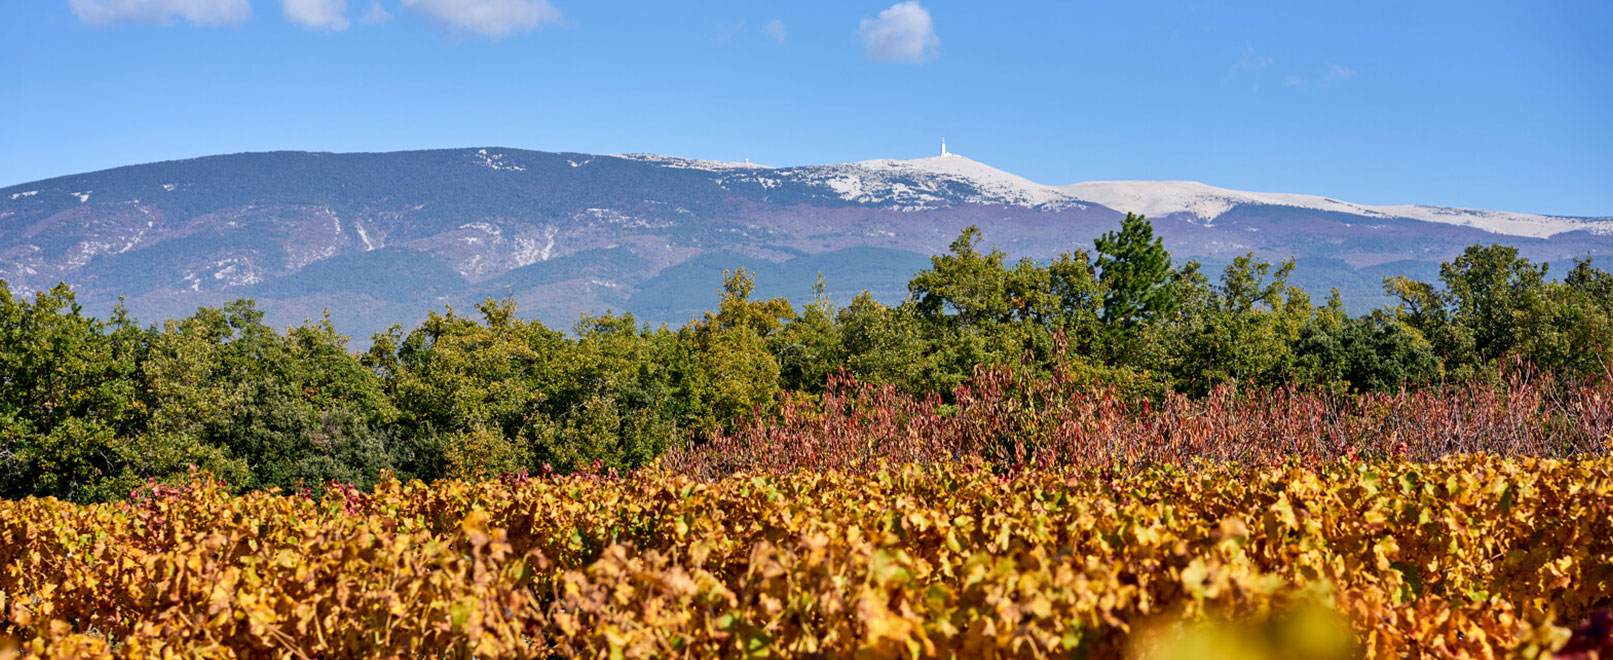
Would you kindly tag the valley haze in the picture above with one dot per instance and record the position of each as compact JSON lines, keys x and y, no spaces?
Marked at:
{"x":382,"y":238}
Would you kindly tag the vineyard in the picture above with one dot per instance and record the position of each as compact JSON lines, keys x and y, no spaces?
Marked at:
{"x":1473,"y":556}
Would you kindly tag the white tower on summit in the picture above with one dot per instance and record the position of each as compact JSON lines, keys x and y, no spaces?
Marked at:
{"x":944,"y":148}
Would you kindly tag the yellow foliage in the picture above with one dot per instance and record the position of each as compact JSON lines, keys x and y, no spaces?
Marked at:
{"x":481,"y":453}
{"x":1469,"y":557}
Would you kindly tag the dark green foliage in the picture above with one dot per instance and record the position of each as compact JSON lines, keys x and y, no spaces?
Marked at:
{"x":1496,"y":304}
{"x":1372,"y":353}
{"x":90,"y":408}
{"x":1134,"y":270}
{"x":686,"y":290}
{"x":68,"y":390}
{"x":813,"y":346}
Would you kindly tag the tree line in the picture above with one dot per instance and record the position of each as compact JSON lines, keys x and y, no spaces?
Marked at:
{"x":91,"y":408}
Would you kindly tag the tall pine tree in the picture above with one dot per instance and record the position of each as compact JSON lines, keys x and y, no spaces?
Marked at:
{"x":1133,"y":269}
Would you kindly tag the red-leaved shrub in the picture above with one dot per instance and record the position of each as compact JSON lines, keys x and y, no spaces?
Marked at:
{"x":1010,"y":420}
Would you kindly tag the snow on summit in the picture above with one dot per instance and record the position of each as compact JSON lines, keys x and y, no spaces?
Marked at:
{"x":990,"y":184}
{"x":1206,"y":203}
{"x":950,"y":179}
{"x":916,"y":184}
{"x":1202,"y":201}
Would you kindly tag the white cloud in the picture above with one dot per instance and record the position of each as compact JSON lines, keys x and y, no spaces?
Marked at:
{"x":376,"y":14}
{"x":775,"y":30}
{"x":1251,"y":60}
{"x":489,"y":18}
{"x":904,"y":32}
{"x":729,"y":32}
{"x":1335,"y":73}
{"x":200,"y":12}
{"x":326,"y":14}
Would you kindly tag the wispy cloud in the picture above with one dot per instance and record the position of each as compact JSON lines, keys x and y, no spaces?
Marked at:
{"x":317,"y":14}
{"x":775,"y":30}
{"x":494,"y":19}
{"x":728,"y":32}
{"x":376,"y":14}
{"x":1251,"y":60}
{"x":1335,"y":74}
{"x":199,"y":12}
{"x":905,"y":33}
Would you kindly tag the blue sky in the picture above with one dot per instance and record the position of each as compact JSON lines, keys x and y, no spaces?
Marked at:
{"x":1505,"y":105}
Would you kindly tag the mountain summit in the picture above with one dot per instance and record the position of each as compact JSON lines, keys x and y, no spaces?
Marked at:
{"x":378,"y":238}
{"x":951,"y":179}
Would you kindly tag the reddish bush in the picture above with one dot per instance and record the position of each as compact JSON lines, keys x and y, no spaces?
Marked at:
{"x":1009,"y":419}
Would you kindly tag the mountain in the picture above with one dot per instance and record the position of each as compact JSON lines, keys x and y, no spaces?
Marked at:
{"x":380,"y":238}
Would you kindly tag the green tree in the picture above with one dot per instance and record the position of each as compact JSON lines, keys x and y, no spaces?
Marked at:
{"x":1493,"y":303}
{"x":887,"y":345}
{"x":1246,"y":328}
{"x":1134,"y":269}
{"x":1498,"y":296}
{"x":67,"y":393}
{"x":1371,"y":353}
{"x":619,"y":397}
{"x":1074,"y":282}
{"x":963,"y":287}
{"x":457,"y":378}
{"x":281,"y":408}
{"x":1577,"y":333}
{"x":810,"y":347}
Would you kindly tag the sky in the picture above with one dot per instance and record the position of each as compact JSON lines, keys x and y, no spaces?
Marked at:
{"x":1499,"y":105}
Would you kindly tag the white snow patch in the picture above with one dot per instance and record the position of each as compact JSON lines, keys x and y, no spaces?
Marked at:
{"x":548,"y":248}
{"x":691,"y":163}
{"x":484,"y":227}
{"x":1206,"y":203}
{"x":82,"y":196}
{"x":170,"y":187}
{"x":364,"y":236}
{"x":930,"y":182}
{"x":1158,"y":198}
{"x":82,"y":253}
{"x":905,"y":185}
{"x":615,"y":217}
{"x":29,"y":193}
{"x":495,"y":161}
{"x":530,"y":249}
{"x":236,"y":272}
{"x":1499,"y":222}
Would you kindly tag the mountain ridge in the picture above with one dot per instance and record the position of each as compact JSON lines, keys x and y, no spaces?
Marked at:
{"x":1164,"y":197}
{"x":593,"y":232}
{"x":1150,"y":197}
